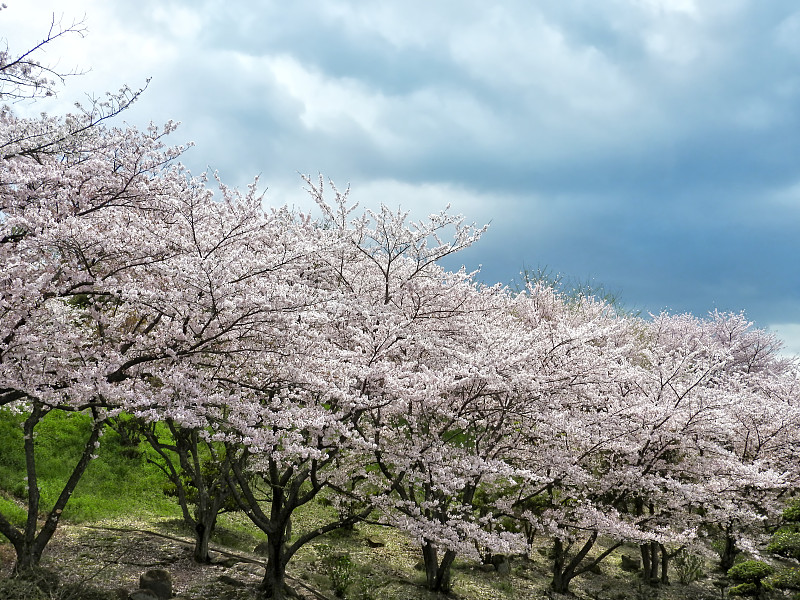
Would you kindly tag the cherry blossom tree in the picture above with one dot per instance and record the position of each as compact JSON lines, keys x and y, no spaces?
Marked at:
{"x":691,"y":388}
{"x":442,"y":421}
{"x":336,"y":358}
{"x":61,"y":249}
{"x":571,"y":425}
{"x":199,"y":472}
{"x":124,"y":282}
{"x":301,"y":426}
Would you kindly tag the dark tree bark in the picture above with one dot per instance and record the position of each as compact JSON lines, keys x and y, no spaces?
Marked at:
{"x":729,"y":550}
{"x":437,"y":574}
{"x":566,"y":569}
{"x":665,"y":558}
{"x":650,"y":561}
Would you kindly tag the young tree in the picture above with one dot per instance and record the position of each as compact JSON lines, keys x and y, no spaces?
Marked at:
{"x":124,"y":281}
{"x":199,"y":472}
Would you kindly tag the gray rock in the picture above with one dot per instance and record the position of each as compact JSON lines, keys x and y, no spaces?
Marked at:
{"x":143,"y":595}
{"x":502,"y":563}
{"x":157,"y":581}
{"x":227,"y":580}
{"x":261,"y":549}
{"x":630,"y":563}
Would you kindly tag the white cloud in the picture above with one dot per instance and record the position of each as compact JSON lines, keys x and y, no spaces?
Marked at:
{"x":790,"y":334}
{"x":661,"y":7}
{"x":787,"y":34}
{"x":533,"y":56}
{"x":328,"y":104}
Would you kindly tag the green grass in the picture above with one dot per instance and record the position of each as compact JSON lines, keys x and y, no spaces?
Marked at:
{"x":113,"y":485}
{"x":121,"y":486}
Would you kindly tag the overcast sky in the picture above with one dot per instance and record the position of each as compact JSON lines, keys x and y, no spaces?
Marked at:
{"x":651,"y":146}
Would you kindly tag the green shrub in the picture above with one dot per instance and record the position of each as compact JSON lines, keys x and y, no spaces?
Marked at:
{"x":785,"y":579}
{"x":339,"y":567}
{"x":689,"y":567}
{"x":15,"y":588}
{"x":785,"y":543}
{"x":744,"y":589}
{"x":750,"y":571}
{"x":792,"y":512}
{"x":750,"y":574}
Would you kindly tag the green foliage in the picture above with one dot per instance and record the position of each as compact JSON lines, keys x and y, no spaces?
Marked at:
{"x":792,"y":512}
{"x":750,"y":571}
{"x":15,"y":588}
{"x":785,"y":579}
{"x":44,"y":579}
{"x":12,"y":461}
{"x":340,"y":568}
{"x":689,"y":567}
{"x":785,"y":543}
{"x":114,"y":484}
{"x":744,"y":589}
{"x":751,"y":574}
{"x":41,"y":584}
{"x":13,"y":512}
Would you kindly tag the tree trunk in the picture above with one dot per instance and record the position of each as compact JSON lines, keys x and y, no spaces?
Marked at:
{"x":729,"y":551}
{"x":274,"y":582}
{"x":563,"y":571}
{"x":29,"y":554}
{"x":437,"y":575}
{"x":650,"y":561}
{"x":559,"y":583}
{"x":202,"y":538}
{"x":665,"y":556}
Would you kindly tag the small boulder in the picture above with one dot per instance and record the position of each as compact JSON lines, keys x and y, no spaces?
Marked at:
{"x":630,"y":564}
{"x":158,"y":581}
{"x":261,"y":549}
{"x":228,"y":580}
{"x":143,"y":595}
{"x":502,"y":564}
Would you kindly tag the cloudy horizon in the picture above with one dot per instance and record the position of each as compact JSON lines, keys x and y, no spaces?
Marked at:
{"x":649,"y":146}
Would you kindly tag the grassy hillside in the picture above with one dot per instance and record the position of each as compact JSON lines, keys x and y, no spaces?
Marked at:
{"x":118,"y":482}
{"x":122,"y":490}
